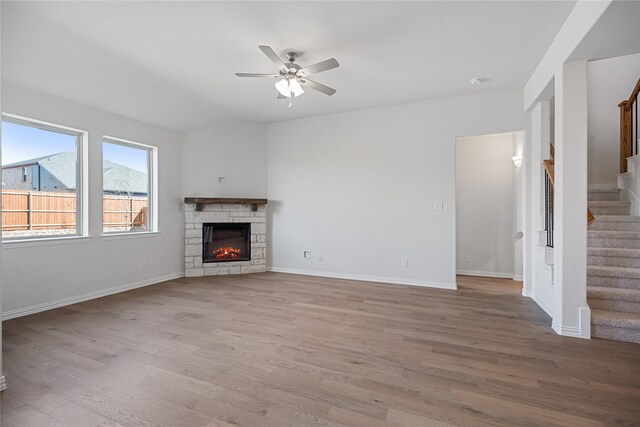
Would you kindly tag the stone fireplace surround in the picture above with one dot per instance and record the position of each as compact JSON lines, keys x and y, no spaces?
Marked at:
{"x":224,"y":210}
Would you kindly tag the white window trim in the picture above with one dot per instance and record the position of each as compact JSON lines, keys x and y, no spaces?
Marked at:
{"x":152,"y":218}
{"x":82,"y":183}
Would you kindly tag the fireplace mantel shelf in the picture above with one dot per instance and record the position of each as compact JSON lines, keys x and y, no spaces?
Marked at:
{"x":201,"y":201}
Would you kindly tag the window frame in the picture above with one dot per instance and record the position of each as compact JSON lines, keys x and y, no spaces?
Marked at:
{"x":82,"y":180}
{"x":152,"y":195}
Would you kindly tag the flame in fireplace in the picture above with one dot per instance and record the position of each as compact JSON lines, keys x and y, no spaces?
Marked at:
{"x":226,"y":253}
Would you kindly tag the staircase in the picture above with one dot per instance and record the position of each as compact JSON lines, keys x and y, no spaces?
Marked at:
{"x":613,"y":268}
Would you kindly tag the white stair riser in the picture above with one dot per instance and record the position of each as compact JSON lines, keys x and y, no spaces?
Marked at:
{"x":612,"y":261}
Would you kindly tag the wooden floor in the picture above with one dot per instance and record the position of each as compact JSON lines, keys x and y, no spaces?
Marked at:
{"x":276,"y":349}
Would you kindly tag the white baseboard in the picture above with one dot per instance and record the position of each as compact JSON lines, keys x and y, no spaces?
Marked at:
{"x":487,"y":274}
{"x":377,"y":279}
{"x":3,"y":383}
{"x":518,"y":277}
{"x":581,"y":331}
{"x":11,"y":314}
{"x":542,"y":305}
{"x":602,"y":187}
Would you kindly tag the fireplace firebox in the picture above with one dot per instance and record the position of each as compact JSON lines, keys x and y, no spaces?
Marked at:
{"x":226,"y":242}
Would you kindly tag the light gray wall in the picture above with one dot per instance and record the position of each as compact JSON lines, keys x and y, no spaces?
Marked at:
{"x":236,"y":151}
{"x":46,"y":274}
{"x":358,"y":188}
{"x":485,"y":205}
{"x":610,"y":81}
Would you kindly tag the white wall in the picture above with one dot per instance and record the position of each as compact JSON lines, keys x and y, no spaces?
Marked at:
{"x":358,"y":188}
{"x":610,"y":81}
{"x":485,"y":202}
{"x":38,"y":277}
{"x":236,"y":151}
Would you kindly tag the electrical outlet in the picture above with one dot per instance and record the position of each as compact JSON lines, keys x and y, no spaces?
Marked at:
{"x":222,"y":179}
{"x":143,"y":264}
{"x":467,"y":259}
{"x":438,"y":206}
{"x":320,"y":257}
{"x":405,"y":263}
{"x":306,"y":254}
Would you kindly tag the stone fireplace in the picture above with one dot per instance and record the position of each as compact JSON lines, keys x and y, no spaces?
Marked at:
{"x":224,"y":236}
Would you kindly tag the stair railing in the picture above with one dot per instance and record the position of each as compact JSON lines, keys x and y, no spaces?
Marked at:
{"x":548,"y":201}
{"x":549,"y":172}
{"x":629,"y":127}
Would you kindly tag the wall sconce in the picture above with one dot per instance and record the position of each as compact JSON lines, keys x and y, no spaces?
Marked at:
{"x":517,"y":160}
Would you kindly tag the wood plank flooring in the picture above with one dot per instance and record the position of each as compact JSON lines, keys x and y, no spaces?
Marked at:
{"x":284,"y":350}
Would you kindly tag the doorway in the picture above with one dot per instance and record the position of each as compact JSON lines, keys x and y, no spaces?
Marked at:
{"x":490,"y":206}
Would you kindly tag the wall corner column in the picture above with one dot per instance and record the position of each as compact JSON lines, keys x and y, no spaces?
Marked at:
{"x":571,"y":312}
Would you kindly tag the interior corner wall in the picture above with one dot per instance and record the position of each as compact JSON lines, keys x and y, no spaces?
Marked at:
{"x":357,"y":189}
{"x":236,"y":151}
{"x":610,"y":81}
{"x":485,"y":205}
{"x":39,"y":277}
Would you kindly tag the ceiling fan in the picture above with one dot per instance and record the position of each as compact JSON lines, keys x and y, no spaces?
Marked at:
{"x":292,"y":77}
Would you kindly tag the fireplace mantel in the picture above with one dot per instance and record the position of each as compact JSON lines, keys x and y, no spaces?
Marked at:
{"x":201,"y":201}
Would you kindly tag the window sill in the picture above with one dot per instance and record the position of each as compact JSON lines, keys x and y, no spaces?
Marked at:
{"x":130,"y":235}
{"x":44,"y":241}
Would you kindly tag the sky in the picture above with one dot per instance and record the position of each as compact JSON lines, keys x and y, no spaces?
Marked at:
{"x":20,"y":142}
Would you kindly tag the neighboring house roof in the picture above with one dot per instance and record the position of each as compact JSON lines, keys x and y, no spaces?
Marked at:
{"x":117,"y":178}
{"x":27,"y":162}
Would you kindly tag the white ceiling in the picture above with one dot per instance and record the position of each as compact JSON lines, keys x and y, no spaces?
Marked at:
{"x":172,"y":64}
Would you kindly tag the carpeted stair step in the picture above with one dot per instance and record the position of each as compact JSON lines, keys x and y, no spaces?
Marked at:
{"x":609,"y":207}
{"x":613,"y":239}
{"x":614,"y":299}
{"x":613,"y":325}
{"x":613,"y":277}
{"x":612,"y":257}
{"x":616,"y":223}
{"x":603,"y":195}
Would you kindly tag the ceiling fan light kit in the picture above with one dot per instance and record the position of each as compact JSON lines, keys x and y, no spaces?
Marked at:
{"x":292,"y":77}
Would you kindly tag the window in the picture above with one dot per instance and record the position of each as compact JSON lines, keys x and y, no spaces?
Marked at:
{"x":128,"y":186}
{"x":42,"y":180}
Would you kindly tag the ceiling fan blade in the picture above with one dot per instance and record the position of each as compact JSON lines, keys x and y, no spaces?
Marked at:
{"x":329,"y":64}
{"x":273,"y":57}
{"x":280,"y":96}
{"x":317,"y":86}
{"x":256,"y":75}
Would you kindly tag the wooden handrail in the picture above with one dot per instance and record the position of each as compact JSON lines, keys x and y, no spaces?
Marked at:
{"x":627,"y":126}
{"x":549,"y":168}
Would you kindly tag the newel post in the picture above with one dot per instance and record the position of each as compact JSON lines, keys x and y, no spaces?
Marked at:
{"x":625,"y":134}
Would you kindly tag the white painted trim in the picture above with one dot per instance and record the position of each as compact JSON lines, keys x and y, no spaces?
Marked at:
{"x":602,"y":187}
{"x":3,"y":383}
{"x":45,"y":241}
{"x":129,"y":235}
{"x":486,"y":274}
{"x":518,"y":277}
{"x":377,"y":279}
{"x":581,"y":331}
{"x":585,"y":322}
{"x":542,"y":305}
{"x":12,"y":314}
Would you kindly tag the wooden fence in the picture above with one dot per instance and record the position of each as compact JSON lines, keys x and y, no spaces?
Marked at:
{"x":42,"y":210}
